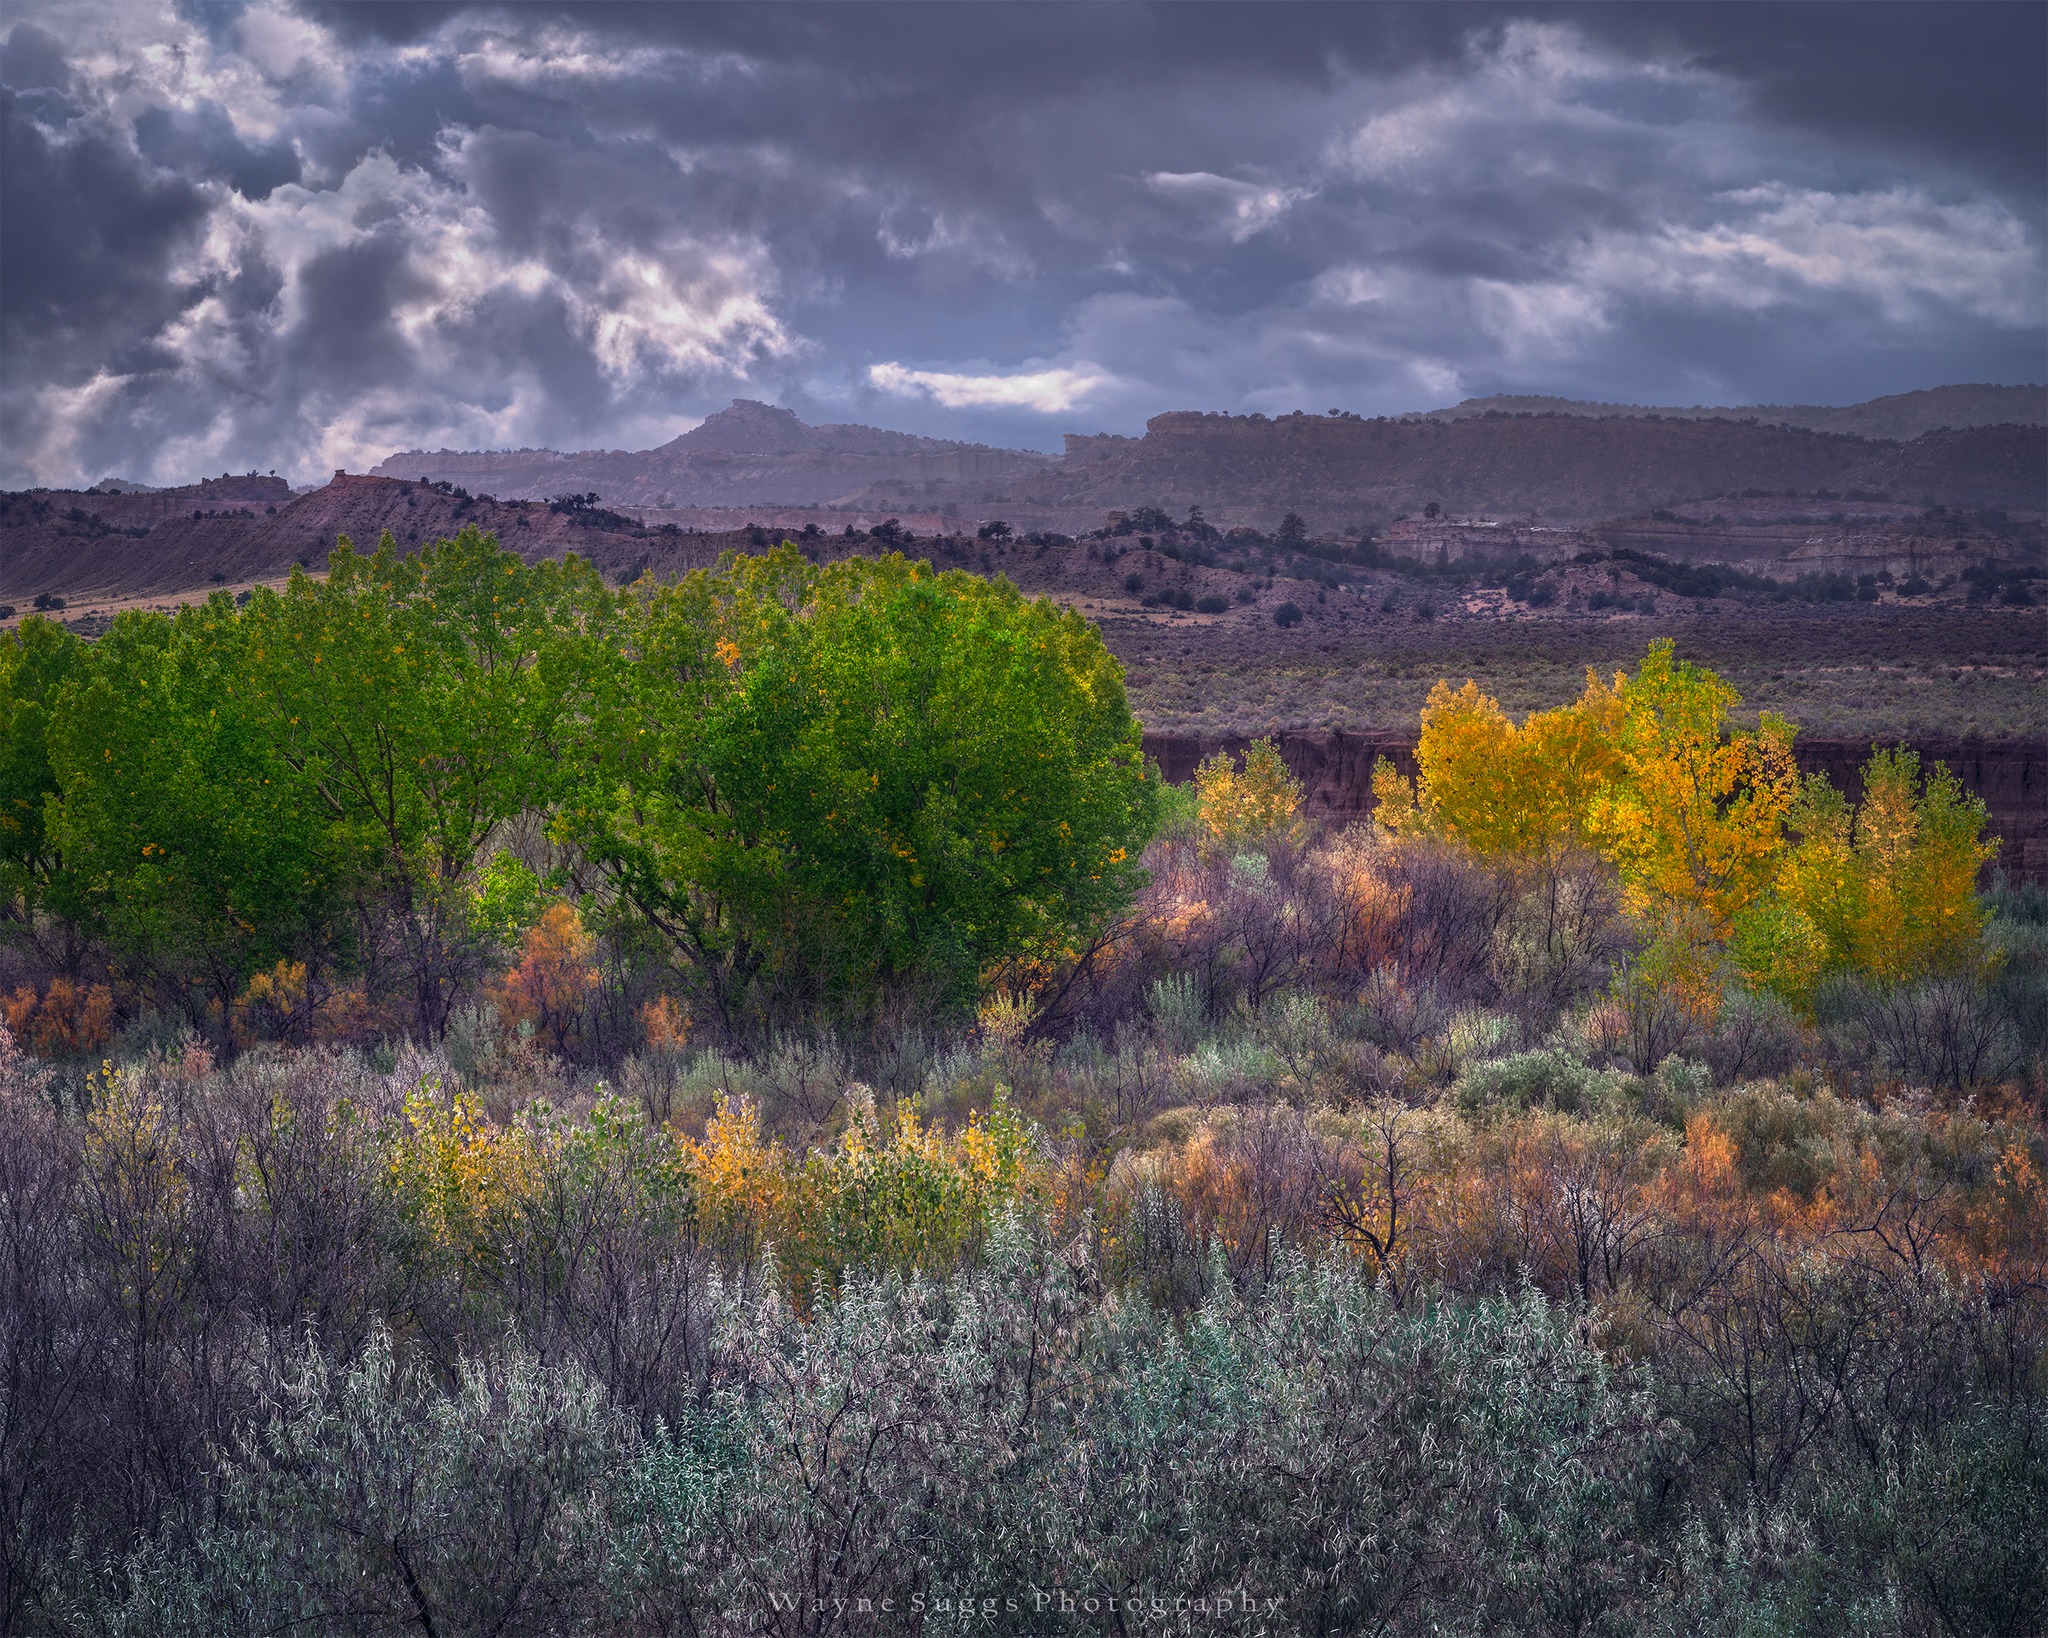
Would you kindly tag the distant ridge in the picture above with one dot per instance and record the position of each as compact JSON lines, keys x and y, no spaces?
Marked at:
{"x":1559,"y":467}
{"x":1559,"y":458}
{"x":750,"y":454}
{"x":1903,"y":415}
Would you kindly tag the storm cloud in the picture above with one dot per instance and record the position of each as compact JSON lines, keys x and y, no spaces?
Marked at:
{"x":298,"y":237}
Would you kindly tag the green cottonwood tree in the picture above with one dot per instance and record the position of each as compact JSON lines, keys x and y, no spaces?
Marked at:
{"x":836,"y":786}
{"x":35,"y":663}
{"x":425,"y":701}
{"x":187,"y":840}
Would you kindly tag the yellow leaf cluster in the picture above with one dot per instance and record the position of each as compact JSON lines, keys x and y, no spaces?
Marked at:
{"x":891,"y":1192}
{"x":1714,"y":837}
{"x":1644,"y":771}
{"x":1504,"y":790}
{"x":1240,"y":808}
{"x":456,"y":1172}
{"x":1888,"y":889}
{"x":742,"y":1178}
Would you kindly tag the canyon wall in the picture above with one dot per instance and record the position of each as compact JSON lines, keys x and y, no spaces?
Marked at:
{"x":1556,"y":466}
{"x":1338,"y":470}
{"x":1901,"y":415}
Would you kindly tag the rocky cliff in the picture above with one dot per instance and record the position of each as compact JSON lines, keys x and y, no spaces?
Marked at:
{"x":1335,"y":770}
{"x":1338,"y":470}
{"x":1559,"y":467}
{"x":1900,"y":415}
{"x":68,"y":545}
{"x":134,"y":507}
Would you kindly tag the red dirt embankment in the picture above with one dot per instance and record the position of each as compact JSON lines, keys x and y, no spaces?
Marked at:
{"x":1335,"y":770}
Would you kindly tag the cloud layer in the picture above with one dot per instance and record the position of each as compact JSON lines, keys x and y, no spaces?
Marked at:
{"x":294,"y":238}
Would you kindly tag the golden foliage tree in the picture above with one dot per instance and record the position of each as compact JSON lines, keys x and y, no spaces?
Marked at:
{"x":1886,"y":890}
{"x":1717,"y":841}
{"x":1243,"y":807}
{"x":1693,"y":815}
{"x":1504,"y":791}
{"x":1645,"y":771}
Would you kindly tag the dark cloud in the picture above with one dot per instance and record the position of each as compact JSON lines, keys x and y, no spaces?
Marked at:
{"x":300,"y":237}
{"x":1959,"y":78}
{"x":346,"y":334}
{"x":89,"y":235}
{"x":1960,"y":82}
{"x":203,"y":144}
{"x":32,"y":59}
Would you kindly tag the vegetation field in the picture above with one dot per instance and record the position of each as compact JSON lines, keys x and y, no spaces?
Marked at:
{"x":1836,"y":670}
{"x":740,"y":1104}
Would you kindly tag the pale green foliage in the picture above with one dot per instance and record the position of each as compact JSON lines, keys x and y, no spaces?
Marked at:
{"x":1463,"y":1468}
{"x":375,"y":1500}
{"x":1544,"y":1079}
{"x":1178,"y":1009}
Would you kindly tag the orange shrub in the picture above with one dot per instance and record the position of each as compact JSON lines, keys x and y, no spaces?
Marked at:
{"x":70,"y":1020}
{"x":550,"y":986}
{"x":347,"y":1016}
{"x":665,"y":1024}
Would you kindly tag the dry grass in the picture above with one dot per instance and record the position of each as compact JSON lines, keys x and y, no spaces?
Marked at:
{"x":1835,"y":671}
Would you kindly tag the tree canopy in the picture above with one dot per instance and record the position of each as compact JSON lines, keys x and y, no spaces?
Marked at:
{"x":1720,"y":847}
{"x":842,"y":787}
{"x":829,"y":785}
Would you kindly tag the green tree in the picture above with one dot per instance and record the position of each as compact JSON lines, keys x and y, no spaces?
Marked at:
{"x":836,"y":786}
{"x":35,"y":663}
{"x":188,"y":842}
{"x":427,"y":701}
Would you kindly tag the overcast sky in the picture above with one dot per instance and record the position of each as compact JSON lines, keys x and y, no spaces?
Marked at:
{"x":297,"y":237}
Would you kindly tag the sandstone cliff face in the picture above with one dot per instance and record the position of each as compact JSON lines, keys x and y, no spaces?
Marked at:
{"x":1787,"y":551}
{"x":1899,"y":415}
{"x":1336,"y":470}
{"x":1552,"y":465}
{"x":1335,"y":770}
{"x":1440,"y":541}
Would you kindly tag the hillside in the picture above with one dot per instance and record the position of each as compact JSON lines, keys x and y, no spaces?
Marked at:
{"x":72,"y":544}
{"x":1901,"y":415}
{"x":749,"y":454}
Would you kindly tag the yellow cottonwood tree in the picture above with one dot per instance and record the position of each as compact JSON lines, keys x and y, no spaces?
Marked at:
{"x":1241,"y":808}
{"x":1692,"y":814}
{"x":1716,"y":839}
{"x":1502,"y":790}
{"x":1644,"y":771}
{"x":1888,"y":890}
